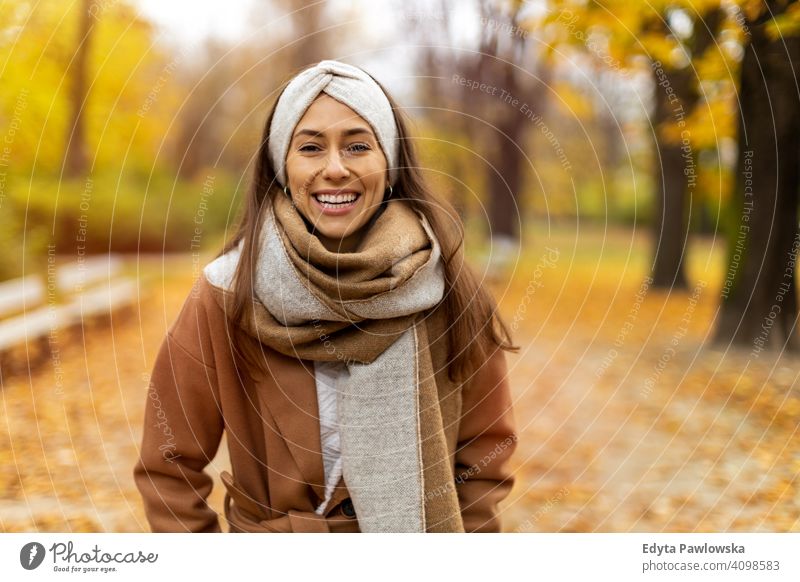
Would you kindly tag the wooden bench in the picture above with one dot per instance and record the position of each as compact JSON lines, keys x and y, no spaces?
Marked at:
{"x":20,"y":294}
{"x":92,"y":290}
{"x":76,"y":276}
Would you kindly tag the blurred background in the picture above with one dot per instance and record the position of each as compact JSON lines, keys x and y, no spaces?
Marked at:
{"x":628,"y":177}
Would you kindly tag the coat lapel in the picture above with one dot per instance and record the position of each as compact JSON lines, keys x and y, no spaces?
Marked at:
{"x":289,"y":392}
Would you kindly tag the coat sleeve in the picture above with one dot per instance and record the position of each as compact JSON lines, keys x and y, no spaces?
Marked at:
{"x":182,"y":430}
{"x":486,"y":440}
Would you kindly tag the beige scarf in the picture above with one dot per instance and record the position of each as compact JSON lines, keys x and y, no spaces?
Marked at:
{"x":365,"y":309}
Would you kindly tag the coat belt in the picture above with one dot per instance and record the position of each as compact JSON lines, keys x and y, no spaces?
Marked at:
{"x":292,"y":522}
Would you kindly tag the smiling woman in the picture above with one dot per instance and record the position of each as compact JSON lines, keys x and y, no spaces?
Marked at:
{"x":339,"y":339}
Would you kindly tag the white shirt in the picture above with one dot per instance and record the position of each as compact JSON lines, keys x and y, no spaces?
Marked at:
{"x":326,"y":375}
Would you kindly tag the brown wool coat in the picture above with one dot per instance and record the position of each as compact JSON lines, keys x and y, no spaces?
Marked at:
{"x":273,"y":434}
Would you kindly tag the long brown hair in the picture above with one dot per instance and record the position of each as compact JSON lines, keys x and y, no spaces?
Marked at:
{"x":475,"y":326}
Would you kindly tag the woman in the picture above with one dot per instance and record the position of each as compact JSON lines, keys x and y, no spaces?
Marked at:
{"x":339,"y":339}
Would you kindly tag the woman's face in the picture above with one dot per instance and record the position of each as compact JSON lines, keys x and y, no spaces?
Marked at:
{"x":337,"y":172}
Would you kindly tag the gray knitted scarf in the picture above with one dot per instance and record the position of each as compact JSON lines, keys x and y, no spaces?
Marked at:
{"x":365,"y":309}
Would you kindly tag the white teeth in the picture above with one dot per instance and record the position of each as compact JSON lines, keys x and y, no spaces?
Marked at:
{"x":336,"y":198}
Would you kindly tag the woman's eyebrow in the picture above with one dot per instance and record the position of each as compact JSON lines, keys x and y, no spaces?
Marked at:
{"x":345,"y":133}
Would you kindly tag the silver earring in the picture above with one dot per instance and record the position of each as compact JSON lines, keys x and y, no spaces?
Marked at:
{"x":288,"y":194}
{"x":385,"y":197}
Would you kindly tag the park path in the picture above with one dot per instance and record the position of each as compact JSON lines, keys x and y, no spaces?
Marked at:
{"x":609,"y":441}
{"x":658,"y":432}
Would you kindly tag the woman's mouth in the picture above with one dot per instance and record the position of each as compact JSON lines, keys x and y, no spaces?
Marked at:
{"x":335,"y":204}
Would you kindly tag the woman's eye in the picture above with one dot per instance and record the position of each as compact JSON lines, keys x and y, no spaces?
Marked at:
{"x":360,"y":147}
{"x":352,"y":148}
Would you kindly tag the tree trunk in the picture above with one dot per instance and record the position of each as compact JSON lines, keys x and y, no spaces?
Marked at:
{"x":312,"y":37}
{"x":673,"y":159}
{"x":505,"y":179}
{"x":76,"y":157}
{"x":670,"y":227}
{"x":759,"y":303}
{"x":676,"y":175}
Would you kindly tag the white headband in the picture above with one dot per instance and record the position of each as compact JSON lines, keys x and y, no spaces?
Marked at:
{"x":345,"y":83}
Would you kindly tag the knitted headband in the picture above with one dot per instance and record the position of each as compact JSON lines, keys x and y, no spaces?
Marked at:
{"x":345,"y":83}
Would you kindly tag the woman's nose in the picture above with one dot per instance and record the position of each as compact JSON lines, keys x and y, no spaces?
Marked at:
{"x":335,"y":166}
